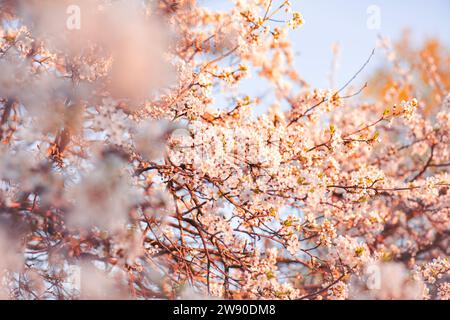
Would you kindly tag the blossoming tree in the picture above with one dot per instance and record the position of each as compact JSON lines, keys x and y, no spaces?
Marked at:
{"x":132,"y":164}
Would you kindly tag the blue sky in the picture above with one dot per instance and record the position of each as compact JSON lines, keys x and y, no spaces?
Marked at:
{"x":345,"y":22}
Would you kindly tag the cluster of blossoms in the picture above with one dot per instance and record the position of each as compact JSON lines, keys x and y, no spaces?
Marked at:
{"x":261,"y":279}
{"x":296,"y":21}
{"x":351,"y":253}
{"x":134,"y":159}
{"x":444,"y":291}
{"x":434,"y":270}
